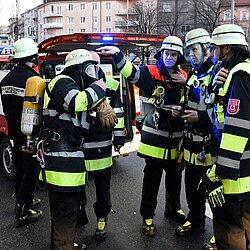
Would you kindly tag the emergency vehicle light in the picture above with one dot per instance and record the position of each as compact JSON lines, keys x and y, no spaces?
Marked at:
{"x":107,"y":38}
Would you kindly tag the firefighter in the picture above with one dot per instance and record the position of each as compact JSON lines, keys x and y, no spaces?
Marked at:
{"x":199,"y":153}
{"x":228,"y":181}
{"x":161,"y":133}
{"x":12,"y":93}
{"x":98,"y":153}
{"x":68,"y":100}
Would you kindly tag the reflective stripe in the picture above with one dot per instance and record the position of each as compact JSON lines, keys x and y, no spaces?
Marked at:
{"x":76,"y":154}
{"x":241,"y":123}
{"x":230,"y":163}
{"x":233,"y":143}
{"x":93,"y":114}
{"x":68,"y":98}
{"x":81,"y":101}
{"x":119,"y":110}
{"x":84,"y":118}
{"x":127,"y":69}
{"x":65,"y":179}
{"x":220,"y":113}
{"x":156,"y":152}
{"x":111,"y":83}
{"x":194,"y":159}
{"x":93,"y":94}
{"x":120,"y":123}
{"x":50,"y":112}
{"x":119,"y":133}
{"x":121,"y":63}
{"x":193,"y":105}
{"x":11,"y":90}
{"x":245,"y":155}
{"x":161,"y":132}
{"x":67,"y":117}
{"x":194,"y":138}
{"x":239,"y":186}
{"x":137,"y":75}
{"x":99,"y":164}
{"x":97,"y":144}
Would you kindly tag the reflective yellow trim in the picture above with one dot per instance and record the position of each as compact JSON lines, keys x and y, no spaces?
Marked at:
{"x":156,"y":152}
{"x":81,"y":101}
{"x":63,"y":179}
{"x":127,"y":69}
{"x":99,"y":164}
{"x":241,"y":185}
{"x":220,"y":113}
{"x":233,"y":143}
{"x":194,"y":159}
{"x":120,"y":123}
{"x":111,"y":83}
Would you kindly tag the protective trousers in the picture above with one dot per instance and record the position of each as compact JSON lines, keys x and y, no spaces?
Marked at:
{"x":196,"y":200}
{"x":232,"y":225}
{"x":63,"y":210}
{"x":102,"y":206}
{"x":25,"y":177}
{"x":151,"y":183}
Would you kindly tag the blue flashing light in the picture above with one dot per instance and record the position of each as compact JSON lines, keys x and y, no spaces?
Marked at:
{"x":107,"y":38}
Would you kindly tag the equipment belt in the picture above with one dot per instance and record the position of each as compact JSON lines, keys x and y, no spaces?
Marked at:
{"x":58,"y":146}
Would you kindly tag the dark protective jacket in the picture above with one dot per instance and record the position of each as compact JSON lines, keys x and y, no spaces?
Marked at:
{"x":161,"y":132}
{"x":197,"y":136}
{"x":98,"y":144}
{"x":65,"y":113}
{"x":234,"y":151}
{"x":12,"y":94}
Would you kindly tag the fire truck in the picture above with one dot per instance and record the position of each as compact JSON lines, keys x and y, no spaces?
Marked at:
{"x":138,"y":48}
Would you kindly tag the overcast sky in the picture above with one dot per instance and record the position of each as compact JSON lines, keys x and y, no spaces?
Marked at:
{"x":8,"y":8}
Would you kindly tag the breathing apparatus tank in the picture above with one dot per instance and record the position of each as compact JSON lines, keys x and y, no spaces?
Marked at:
{"x":32,"y":106}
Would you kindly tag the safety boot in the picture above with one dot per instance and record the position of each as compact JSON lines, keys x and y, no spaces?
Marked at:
{"x":25,"y":215}
{"x":187,"y":228}
{"x":211,"y":245}
{"x":35,"y":203}
{"x":101,"y":232}
{"x":177,"y":216}
{"x":148,"y":227}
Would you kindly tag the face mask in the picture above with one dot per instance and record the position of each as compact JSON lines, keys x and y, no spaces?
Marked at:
{"x":89,"y":74}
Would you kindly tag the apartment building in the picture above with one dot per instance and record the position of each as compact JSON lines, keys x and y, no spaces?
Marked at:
{"x":241,"y":15}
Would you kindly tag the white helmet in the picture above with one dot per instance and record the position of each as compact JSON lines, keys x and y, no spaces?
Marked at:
{"x":78,"y":56}
{"x":229,"y":34}
{"x":24,"y":47}
{"x":197,"y":36}
{"x":171,"y":43}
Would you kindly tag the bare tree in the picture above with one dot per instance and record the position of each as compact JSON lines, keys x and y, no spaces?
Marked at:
{"x":207,"y":13}
{"x":145,"y":20}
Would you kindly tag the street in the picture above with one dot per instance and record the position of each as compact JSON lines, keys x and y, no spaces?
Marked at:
{"x":124,"y":221}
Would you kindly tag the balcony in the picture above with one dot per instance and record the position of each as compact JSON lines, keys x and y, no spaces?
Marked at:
{"x":48,"y":14}
{"x":125,"y":23}
{"x":126,"y":12}
{"x":53,"y":26}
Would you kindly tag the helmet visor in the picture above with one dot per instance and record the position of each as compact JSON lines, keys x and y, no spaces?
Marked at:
{"x":91,"y":71}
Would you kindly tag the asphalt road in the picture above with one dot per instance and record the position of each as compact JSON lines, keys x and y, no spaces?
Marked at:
{"x":124,"y":221}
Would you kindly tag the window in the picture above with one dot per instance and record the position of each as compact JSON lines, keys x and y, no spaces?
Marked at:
{"x":227,"y":15}
{"x":108,"y":6}
{"x":244,"y":15}
{"x":108,"y":19}
{"x":185,"y":28}
{"x":59,"y":9}
{"x":70,"y":7}
{"x":52,"y":9}
{"x":94,"y":29}
{"x":94,"y":19}
{"x":166,"y":7}
{"x":70,"y":31}
{"x":82,"y":30}
{"x":108,"y":30}
{"x":82,"y":19}
{"x":94,"y":6}
{"x":246,"y":30}
{"x":70,"y":19}
{"x":82,"y":6}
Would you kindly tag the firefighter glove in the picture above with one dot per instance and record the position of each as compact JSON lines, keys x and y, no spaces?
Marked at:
{"x":208,"y":179}
{"x":216,"y":194}
{"x":106,"y":115}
